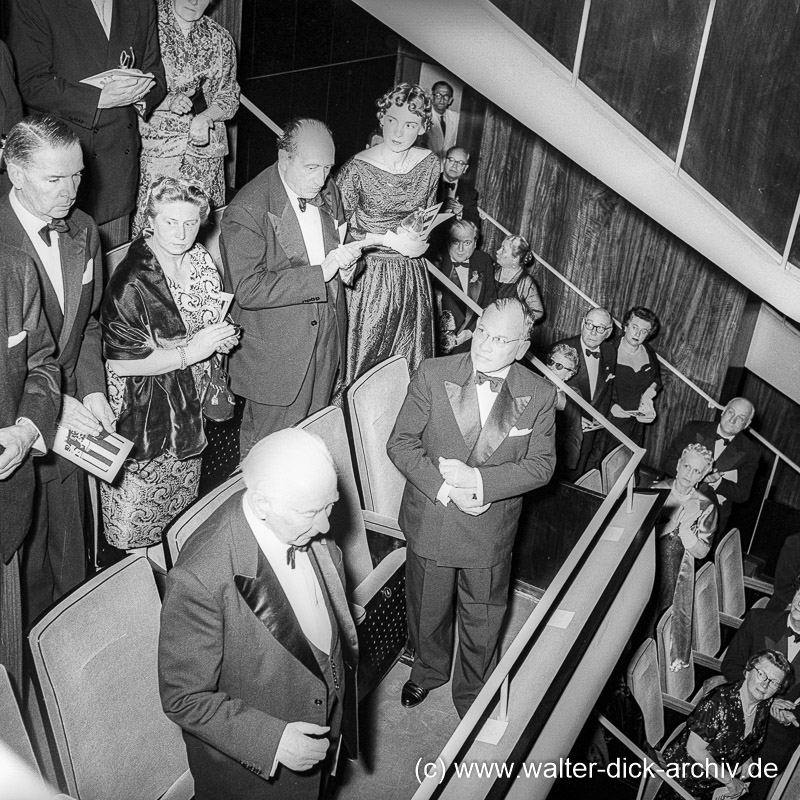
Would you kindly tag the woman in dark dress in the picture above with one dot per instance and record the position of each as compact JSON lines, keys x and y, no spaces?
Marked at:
{"x":725,"y":730}
{"x":511,"y":276}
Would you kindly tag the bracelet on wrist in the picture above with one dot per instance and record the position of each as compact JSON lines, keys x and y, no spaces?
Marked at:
{"x":182,"y":354}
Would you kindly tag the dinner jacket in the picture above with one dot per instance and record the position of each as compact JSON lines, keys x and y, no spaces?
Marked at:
{"x":76,"y":330}
{"x":440,"y":142}
{"x":601,"y":398}
{"x":58,"y":43}
{"x":10,"y":104}
{"x":234,"y":665}
{"x":481,"y":288}
{"x":29,"y":385}
{"x":786,"y":572}
{"x":278,"y":295}
{"x":466,"y":194}
{"x":514,"y":452}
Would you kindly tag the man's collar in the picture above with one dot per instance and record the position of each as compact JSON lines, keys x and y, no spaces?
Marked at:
{"x":29,"y":220}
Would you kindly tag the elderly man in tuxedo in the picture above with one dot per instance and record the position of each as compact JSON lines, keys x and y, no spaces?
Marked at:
{"x":258,"y":651}
{"x":455,"y":194}
{"x":44,"y":162}
{"x":282,"y":249}
{"x":774,"y":629}
{"x":57,"y":46}
{"x":597,"y":362}
{"x":475,"y":432}
{"x":30,"y":397}
{"x":735,"y":455}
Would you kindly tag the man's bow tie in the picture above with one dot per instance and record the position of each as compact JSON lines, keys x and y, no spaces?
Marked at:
{"x":54,"y":225}
{"x":724,"y":439}
{"x":457,"y":264}
{"x":314,"y":201}
{"x":290,"y":552}
{"x":791,"y":634}
{"x":591,"y":353}
{"x":449,"y":186}
{"x":495,"y":383}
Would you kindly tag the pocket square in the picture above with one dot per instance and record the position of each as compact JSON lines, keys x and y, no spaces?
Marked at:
{"x":520,"y":431}
{"x":14,"y":340}
{"x":88,"y":273}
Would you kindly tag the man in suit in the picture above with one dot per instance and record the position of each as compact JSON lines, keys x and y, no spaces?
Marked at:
{"x":787,"y":571}
{"x":456,"y":195}
{"x":29,"y":401}
{"x":476,"y":431}
{"x":473,"y":271}
{"x":44,"y":161}
{"x":597,"y":362}
{"x":442,"y":134}
{"x":281,"y":247}
{"x":735,"y":455}
{"x":10,"y":105}
{"x":258,"y":652}
{"x":57,"y":44}
{"x":771,"y":629}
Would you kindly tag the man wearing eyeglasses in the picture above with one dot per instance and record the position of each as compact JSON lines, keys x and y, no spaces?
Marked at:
{"x":475,"y":432}
{"x":593,"y":381}
{"x":456,"y":195}
{"x":774,"y":629}
{"x":441,"y":135}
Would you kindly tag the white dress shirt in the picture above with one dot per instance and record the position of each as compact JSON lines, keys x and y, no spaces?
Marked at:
{"x":50,"y":256}
{"x":592,"y":368}
{"x":310,"y":227}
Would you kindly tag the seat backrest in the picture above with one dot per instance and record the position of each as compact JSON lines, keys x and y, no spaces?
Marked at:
{"x":706,"y":636}
{"x":730,"y":574}
{"x":591,"y":480}
{"x":678,"y":684}
{"x":612,"y":466}
{"x":644,"y":683}
{"x":95,"y":655}
{"x":12,"y":729}
{"x":347,"y":523}
{"x":374,"y":401}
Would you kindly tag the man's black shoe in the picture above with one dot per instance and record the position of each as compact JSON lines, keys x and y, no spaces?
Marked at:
{"x":412,"y":695}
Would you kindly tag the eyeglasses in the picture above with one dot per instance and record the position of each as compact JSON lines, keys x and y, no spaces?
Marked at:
{"x":596,"y":328}
{"x":456,"y":162}
{"x":442,"y":95}
{"x":497,"y":341}
{"x":557,"y":365}
{"x":462,"y":242}
{"x":762,"y":676}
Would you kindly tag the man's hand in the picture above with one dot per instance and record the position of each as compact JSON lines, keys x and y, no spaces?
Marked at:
{"x":735,"y":788}
{"x":466,"y":501}
{"x":713,"y":478}
{"x":97,"y":405}
{"x":78,"y":417}
{"x":178,"y":103}
{"x":454,"y":207}
{"x":302,"y":745}
{"x":120,"y":92}
{"x":783,"y":711}
{"x":457,"y":473}
{"x":340,"y":258}
{"x":16,"y":441}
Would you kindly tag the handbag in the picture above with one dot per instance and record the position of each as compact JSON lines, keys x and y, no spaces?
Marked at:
{"x":216,"y":399}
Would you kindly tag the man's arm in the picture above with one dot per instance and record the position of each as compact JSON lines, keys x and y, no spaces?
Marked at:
{"x":740,"y":649}
{"x":151,"y":62}
{"x":739,"y":490}
{"x":786,"y":572}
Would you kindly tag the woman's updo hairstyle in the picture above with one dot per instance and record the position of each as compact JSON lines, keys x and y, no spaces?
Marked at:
{"x":165,"y":190}
{"x":411,"y":95}
{"x":520,"y":250}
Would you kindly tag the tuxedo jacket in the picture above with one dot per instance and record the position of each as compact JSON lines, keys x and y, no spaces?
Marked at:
{"x":76,"y":330}
{"x":740,"y":454}
{"x":58,"y":43}
{"x":278,"y":295}
{"x":514,"y":451}
{"x":786,"y":572}
{"x":466,"y":194}
{"x":601,"y":398}
{"x":480,"y":288}
{"x":440,"y":142}
{"x":234,"y":665}
{"x":29,"y":384}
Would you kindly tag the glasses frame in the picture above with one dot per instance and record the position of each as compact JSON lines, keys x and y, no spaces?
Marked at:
{"x":497,"y":341}
{"x":764,"y":678}
{"x":457,"y":162}
{"x":597,"y":328}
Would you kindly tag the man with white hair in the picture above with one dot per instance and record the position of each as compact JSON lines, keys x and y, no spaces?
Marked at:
{"x":258,"y":651}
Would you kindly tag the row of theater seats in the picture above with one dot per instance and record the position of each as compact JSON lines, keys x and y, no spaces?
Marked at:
{"x":95,"y":652}
{"x":611,"y":467}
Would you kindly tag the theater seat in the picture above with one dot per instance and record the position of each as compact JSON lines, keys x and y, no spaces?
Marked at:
{"x":591,"y":480}
{"x":95,"y":656}
{"x":613,"y":465}
{"x":731,"y":581}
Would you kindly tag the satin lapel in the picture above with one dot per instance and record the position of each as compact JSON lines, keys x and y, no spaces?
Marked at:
{"x":463,"y":399}
{"x":326,"y":572}
{"x":82,"y":17}
{"x":474,"y":289}
{"x":289,"y":235}
{"x":73,"y":264}
{"x":505,"y":412}
{"x":267,"y":600}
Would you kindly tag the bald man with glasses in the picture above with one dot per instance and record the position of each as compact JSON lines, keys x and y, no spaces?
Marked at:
{"x":454,"y":193}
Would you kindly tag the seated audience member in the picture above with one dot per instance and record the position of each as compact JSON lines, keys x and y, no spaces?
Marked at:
{"x":593,"y":380}
{"x":786,"y":573}
{"x":726,"y":729}
{"x":443,"y":130}
{"x":778,"y":629}
{"x":685,"y":531}
{"x":30,"y":398}
{"x":185,"y":135}
{"x":473,"y":271}
{"x":161,"y":326}
{"x":475,"y":432}
{"x":563,"y":360}
{"x":638,"y":376}
{"x":258,"y":652}
{"x":735,"y":455}
{"x":456,"y":195}
{"x":44,"y":161}
{"x":511,"y":274}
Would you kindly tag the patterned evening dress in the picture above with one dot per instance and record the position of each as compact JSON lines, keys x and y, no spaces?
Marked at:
{"x":389,"y":305}
{"x":203,"y":62}
{"x":148,"y":495}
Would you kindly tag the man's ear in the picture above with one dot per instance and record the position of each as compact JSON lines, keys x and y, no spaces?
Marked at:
{"x":15,"y":174}
{"x":283,"y":159}
{"x":522,"y":348}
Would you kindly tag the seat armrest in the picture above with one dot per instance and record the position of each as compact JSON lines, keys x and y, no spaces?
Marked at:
{"x":762,"y":587}
{"x":677,"y":705}
{"x":374,"y":582}
{"x":709,"y":662}
{"x":381,"y":524}
{"x":730,"y":620}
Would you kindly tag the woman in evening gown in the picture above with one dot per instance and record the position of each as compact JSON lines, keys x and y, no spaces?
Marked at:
{"x":389,"y":302}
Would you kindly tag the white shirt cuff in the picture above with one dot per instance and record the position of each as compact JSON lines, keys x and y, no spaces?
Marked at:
{"x":478,"y":486}
{"x":443,"y":495}
{"x":39,"y":447}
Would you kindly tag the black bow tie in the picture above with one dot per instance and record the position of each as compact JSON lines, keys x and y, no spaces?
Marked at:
{"x":457,"y":264}
{"x":591,"y":353}
{"x":290,"y":552}
{"x":449,"y":186}
{"x":495,"y":383}
{"x":792,"y":634}
{"x":54,"y":225}
{"x":314,"y":201}
{"x":724,"y":439}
